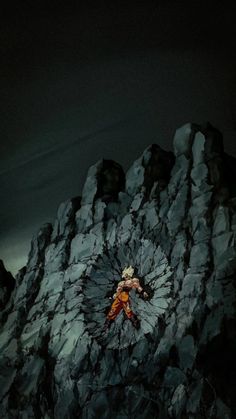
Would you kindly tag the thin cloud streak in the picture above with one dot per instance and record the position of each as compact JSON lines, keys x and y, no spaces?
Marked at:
{"x":62,"y":147}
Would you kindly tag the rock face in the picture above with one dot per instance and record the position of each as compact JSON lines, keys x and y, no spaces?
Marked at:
{"x":174,"y":219}
{"x":7,"y":284}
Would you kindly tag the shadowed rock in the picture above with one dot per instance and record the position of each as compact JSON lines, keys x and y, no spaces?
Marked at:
{"x":158,"y":168}
{"x":7,"y":284}
{"x":111,"y":180}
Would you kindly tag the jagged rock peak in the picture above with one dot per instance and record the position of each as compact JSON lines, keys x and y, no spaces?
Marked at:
{"x":153,"y":166}
{"x":105,"y":180}
{"x":7,"y":284}
{"x":208,"y":139}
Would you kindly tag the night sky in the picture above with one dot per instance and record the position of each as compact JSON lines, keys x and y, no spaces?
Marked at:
{"x":91,"y":82}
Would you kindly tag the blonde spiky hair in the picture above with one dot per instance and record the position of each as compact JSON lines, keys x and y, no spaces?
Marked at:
{"x":128,"y":271}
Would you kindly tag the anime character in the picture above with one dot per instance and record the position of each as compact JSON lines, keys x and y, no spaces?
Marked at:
{"x":122,"y":300}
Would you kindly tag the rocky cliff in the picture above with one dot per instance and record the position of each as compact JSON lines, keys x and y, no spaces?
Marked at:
{"x":173,"y":217}
{"x":7,"y":284}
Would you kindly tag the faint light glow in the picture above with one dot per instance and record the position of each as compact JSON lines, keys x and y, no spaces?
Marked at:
{"x":14,"y":255}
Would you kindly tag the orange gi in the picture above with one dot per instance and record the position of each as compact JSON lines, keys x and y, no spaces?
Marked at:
{"x":121,"y":299}
{"x":120,"y":302}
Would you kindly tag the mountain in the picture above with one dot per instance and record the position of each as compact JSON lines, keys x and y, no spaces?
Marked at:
{"x":172,"y":216}
{"x":7,"y":284}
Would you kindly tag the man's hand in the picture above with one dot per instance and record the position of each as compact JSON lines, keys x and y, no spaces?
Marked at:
{"x":144,"y":295}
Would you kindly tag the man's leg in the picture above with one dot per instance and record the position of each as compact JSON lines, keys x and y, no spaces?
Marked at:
{"x":107,"y":324}
{"x":131,"y":316}
{"x":135,"y":321}
{"x":113,"y":313}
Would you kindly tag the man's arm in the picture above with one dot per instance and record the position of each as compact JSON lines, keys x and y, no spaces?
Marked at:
{"x":137,"y":286}
{"x":118,"y":289}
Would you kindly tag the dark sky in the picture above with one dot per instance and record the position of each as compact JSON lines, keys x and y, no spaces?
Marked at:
{"x":83,"y":83}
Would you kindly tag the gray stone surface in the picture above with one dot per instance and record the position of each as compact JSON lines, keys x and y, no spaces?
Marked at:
{"x":182,"y":140}
{"x":168,"y":219}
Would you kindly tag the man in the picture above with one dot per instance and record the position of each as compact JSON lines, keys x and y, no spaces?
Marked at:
{"x":122,"y":300}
